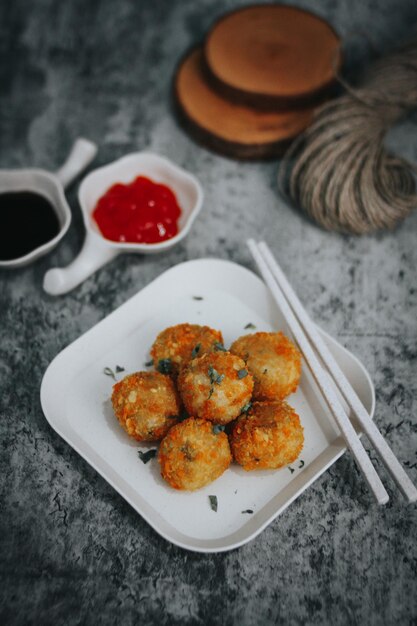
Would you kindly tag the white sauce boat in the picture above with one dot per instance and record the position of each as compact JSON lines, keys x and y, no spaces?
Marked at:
{"x":97,"y":250}
{"x":51,"y":186}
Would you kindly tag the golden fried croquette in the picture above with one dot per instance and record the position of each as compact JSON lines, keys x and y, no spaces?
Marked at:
{"x":268,"y":437}
{"x":274,"y":362}
{"x":193,"y":454}
{"x":215,"y":386}
{"x":177,"y":345}
{"x":146,"y":404}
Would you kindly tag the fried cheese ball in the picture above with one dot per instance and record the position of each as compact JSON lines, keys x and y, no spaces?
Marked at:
{"x":269,"y":437}
{"x":146,"y":404}
{"x":177,"y":345}
{"x":274,"y":362}
{"x":216,"y":387}
{"x":193,"y":454}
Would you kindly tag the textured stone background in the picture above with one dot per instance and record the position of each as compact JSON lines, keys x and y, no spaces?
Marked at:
{"x":72,"y":551}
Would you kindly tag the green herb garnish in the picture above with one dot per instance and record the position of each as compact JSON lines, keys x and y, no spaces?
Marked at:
{"x":248,"y":511}
{"x":218,"y":428}
{"x":109,"y":372}
{"x":149,"y":363}
{"x":214,"y":376}
{"x":145,"y":457}
{"x":183,"y":415}
{"x":242,"y":373}
{"x":219,"y":346}
{"x":213,"y":503}
{"x":198,"y":298}
{"x":301,"y":464}
{"x":164,"y":366}
{"x":119,"y":369}
{"x":196,"y":350}
{"x":292,"y":470}
{"x":246,"y":408}
{"x":250,"y":325}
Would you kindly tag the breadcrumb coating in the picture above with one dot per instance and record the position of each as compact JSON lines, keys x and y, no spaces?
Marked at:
{"x":274,"y":362}
{"x":146,"y":404}
{"x":269,"y":437}
{"x":183,"y":342}
{"x":193,"y":454}
{"x":215,"y":386}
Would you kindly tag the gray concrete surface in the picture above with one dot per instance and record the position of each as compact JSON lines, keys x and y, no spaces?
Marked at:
{"x":71,"y":550}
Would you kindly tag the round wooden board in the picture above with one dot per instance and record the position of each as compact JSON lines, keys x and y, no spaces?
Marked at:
{"x":231,"y":129}
{"x":273,"y":56}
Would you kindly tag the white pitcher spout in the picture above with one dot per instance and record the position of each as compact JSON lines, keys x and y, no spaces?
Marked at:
{"x":82,"y":153}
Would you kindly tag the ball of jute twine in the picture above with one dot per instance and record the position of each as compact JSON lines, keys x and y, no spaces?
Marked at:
{"x":339,"y":171}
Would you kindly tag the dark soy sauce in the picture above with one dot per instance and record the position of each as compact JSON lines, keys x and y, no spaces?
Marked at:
{"x":27,"y":221}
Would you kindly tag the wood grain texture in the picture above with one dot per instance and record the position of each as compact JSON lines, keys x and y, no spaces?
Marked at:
{"x":235,"y":130}
{"x":273,"y":56}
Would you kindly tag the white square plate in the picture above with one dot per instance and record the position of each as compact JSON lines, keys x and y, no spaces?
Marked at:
{"x":75,"y":399}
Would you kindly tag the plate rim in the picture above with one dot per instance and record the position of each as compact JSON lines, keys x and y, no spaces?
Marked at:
{"x":338,"y":445}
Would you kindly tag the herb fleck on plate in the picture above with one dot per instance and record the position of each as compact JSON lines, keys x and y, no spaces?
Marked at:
{"x":145,"y":457}
{"x":109,"y":372}
{"x":301,"y":464}
{"x":249,"y":511}
{"x":198,"y":298}
{"x":250,"y":325}
{"x":292,"y":470}
{"x":213,"y":503}
{"x":149,"y":363}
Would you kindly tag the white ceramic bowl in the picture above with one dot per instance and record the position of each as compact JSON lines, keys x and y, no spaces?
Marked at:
{"x":97,"y":250}
{"x":51,"y":186}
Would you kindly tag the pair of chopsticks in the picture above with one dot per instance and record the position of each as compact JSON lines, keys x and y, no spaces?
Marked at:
{"x":313,"y":347}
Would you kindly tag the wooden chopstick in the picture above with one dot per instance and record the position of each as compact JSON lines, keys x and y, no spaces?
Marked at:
{"x":348,"y":432}
{"x":368,"y":426}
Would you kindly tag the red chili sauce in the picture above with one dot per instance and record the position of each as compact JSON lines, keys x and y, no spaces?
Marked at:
{"x":140,"y":212}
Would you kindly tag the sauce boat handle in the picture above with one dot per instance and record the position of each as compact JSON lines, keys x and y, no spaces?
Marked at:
{"x":94,"y":254}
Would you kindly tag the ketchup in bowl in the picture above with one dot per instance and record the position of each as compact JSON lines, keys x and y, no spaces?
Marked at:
{"x":140,"y":212}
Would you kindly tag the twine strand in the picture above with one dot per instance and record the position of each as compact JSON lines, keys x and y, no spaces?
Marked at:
{"x":339,"y":170}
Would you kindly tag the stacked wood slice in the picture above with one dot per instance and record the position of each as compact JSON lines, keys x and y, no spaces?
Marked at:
{"x":253,"y":85}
